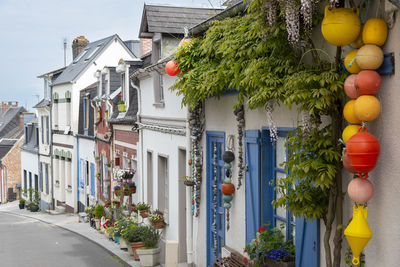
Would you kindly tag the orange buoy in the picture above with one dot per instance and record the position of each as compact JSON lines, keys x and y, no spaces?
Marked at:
{"x":367,"y":108}
{"x":348,"y":112}
{"x":368,"y":82}
{"x":172,"y":68}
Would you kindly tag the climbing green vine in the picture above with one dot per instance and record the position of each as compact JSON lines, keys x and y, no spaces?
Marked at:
{"x":245,"y":54}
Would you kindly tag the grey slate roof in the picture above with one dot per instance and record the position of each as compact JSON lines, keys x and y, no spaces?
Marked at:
{"x":172,"y":19}
{"x":6,"y":145}
{"x":53,"y":72}
{"x":85,"y":58}
{"x":9,"y":122}
{"x":42,"y":104}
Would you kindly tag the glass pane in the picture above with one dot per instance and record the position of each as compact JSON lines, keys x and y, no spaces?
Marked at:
{"x":280,"y":211}
{"x":282,"y":224}
{"x":280,"y":152}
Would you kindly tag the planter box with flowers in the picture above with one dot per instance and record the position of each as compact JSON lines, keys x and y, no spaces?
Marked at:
{"x":119,"y":226}
{"x":150,"y":255}
{"x":133,"y":234}
{"x":143,"y":208}
{"x":157,"y":219}
{"x":270,"y":249}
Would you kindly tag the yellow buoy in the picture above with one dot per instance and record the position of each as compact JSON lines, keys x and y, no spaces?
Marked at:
{"x":359,"y":41}
{"x":340,"y":26}
{"x":351,"y":64}
{"x":348,"y":112}
{"x":369,"y":57}
{"x":349,"y":131}
{"x":358,"y":232}
{"x":375,"y":32}
{"x":367,"y":107}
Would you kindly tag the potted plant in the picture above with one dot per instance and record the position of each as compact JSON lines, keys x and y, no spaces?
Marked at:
{"x":132,"y":187}
{"x":21,"y":204}
{"x":133,"y":234}
{"x":128,"y":174}
{"x":36,"y":200}
{"x":117,"y":190}
{"x":120,"y":226}
{"x":107,"y":203}
{"x":90,"y":214}
{"x":109,"y":228}
{"x":98,"y":175}
{"x":143,"y":208}
{"x":150,"y":255}
{"x":121,"y":106}
{"x":157,"y":219}
{"x":98,"y":213}
{"x":270,"y":249}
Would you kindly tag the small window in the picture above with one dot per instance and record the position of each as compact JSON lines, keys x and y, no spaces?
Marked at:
{"x":93,"y":52}
{"x":86,"y":113}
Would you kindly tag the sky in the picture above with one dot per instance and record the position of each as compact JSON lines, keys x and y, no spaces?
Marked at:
{"x":32,"y":34}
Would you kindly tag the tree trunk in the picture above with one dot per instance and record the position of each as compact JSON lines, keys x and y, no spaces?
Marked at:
{"x":337,"y":123}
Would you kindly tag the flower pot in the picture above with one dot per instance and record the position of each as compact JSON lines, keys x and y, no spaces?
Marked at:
{"x":280,"y":264}
{"x":123,"y":244}
{"x":97,"y":223}
{"x":189,"y":183}
{"x":21,"y":206}
{"x":144,"y":213}
{"x":116,"y":239}
{"x":34,"y":208}
{"x":158,"y":224}
{"x":135,"y":246}
{"x":132,"y":190}
{"x":149,"y":256}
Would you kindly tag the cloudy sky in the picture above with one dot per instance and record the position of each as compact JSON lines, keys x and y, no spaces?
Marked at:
{"x":32,"y":34}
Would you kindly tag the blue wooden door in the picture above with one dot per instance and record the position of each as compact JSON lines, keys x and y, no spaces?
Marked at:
{"x":307,"y":243}
{"x":92,"y":182}
{"x":215,"y":204}
{"x":252,"y":183}
{"x":305,"y":233}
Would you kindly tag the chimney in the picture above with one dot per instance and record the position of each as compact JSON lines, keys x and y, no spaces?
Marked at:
{"x":78,"y":44}
{"x":145,"y":46}
{"x":6,"y":105}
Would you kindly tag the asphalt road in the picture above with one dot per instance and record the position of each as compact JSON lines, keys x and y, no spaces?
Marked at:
{"x":31,"y":243}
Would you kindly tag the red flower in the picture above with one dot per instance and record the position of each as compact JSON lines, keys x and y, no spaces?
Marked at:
{"x":120,"y":95}
{"x":256,"y":241}
{"x":246,"y":260}
{"x":245,"y":250}
{"x":260,"y":229}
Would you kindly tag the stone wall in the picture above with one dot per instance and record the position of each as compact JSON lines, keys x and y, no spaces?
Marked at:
{"x":12,"y":166}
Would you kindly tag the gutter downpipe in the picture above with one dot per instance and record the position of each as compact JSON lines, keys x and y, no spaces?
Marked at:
{"x":138,"y":114}
{"x":189,"y":216}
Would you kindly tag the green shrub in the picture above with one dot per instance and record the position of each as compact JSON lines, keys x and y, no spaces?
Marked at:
{"x":22,"y":201}
{"x":122,"y":224}
{"x":99,"y":211}
{"x":134,"y":233}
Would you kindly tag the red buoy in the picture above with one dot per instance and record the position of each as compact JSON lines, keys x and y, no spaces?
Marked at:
{"x":368,"y":82}
{"x":350,"y":87}
{"x":346,"y":163}
{"x":363,"y":151}
{"x":172,"y":68}
{"x":185,"y":40}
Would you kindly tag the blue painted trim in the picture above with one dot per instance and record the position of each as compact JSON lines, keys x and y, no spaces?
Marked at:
{"x":86,"y":136}
{"x":211,"y":136}
{"x":387,"y":67}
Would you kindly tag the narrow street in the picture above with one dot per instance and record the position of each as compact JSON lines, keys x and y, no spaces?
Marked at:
{"x":29,"y":242}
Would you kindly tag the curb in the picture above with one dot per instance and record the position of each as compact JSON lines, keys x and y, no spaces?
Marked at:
{"x":122,"y":261}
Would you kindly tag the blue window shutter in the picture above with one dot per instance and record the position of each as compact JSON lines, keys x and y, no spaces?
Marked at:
{"x":307,"y":243}
{"x":92,"y":183}
{"x":41,"y":177}
{"x":252,"y":183}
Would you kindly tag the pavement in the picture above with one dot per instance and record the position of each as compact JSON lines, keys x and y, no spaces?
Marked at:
{"x":71,"y":223}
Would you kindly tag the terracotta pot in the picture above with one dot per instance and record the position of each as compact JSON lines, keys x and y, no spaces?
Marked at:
{"x":144,"y":213}
{"x":135,"y":246}
{"x":158,"y":224}
{"x":132,"y":190}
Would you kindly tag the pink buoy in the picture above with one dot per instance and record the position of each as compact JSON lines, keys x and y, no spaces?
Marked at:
{"x":360,"y":191}
{"x":349,"y":86}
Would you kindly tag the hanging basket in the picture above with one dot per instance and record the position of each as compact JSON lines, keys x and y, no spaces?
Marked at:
{"x":189,"y":183}
{"x":132,"y":190}
{"x":144,"y":213}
